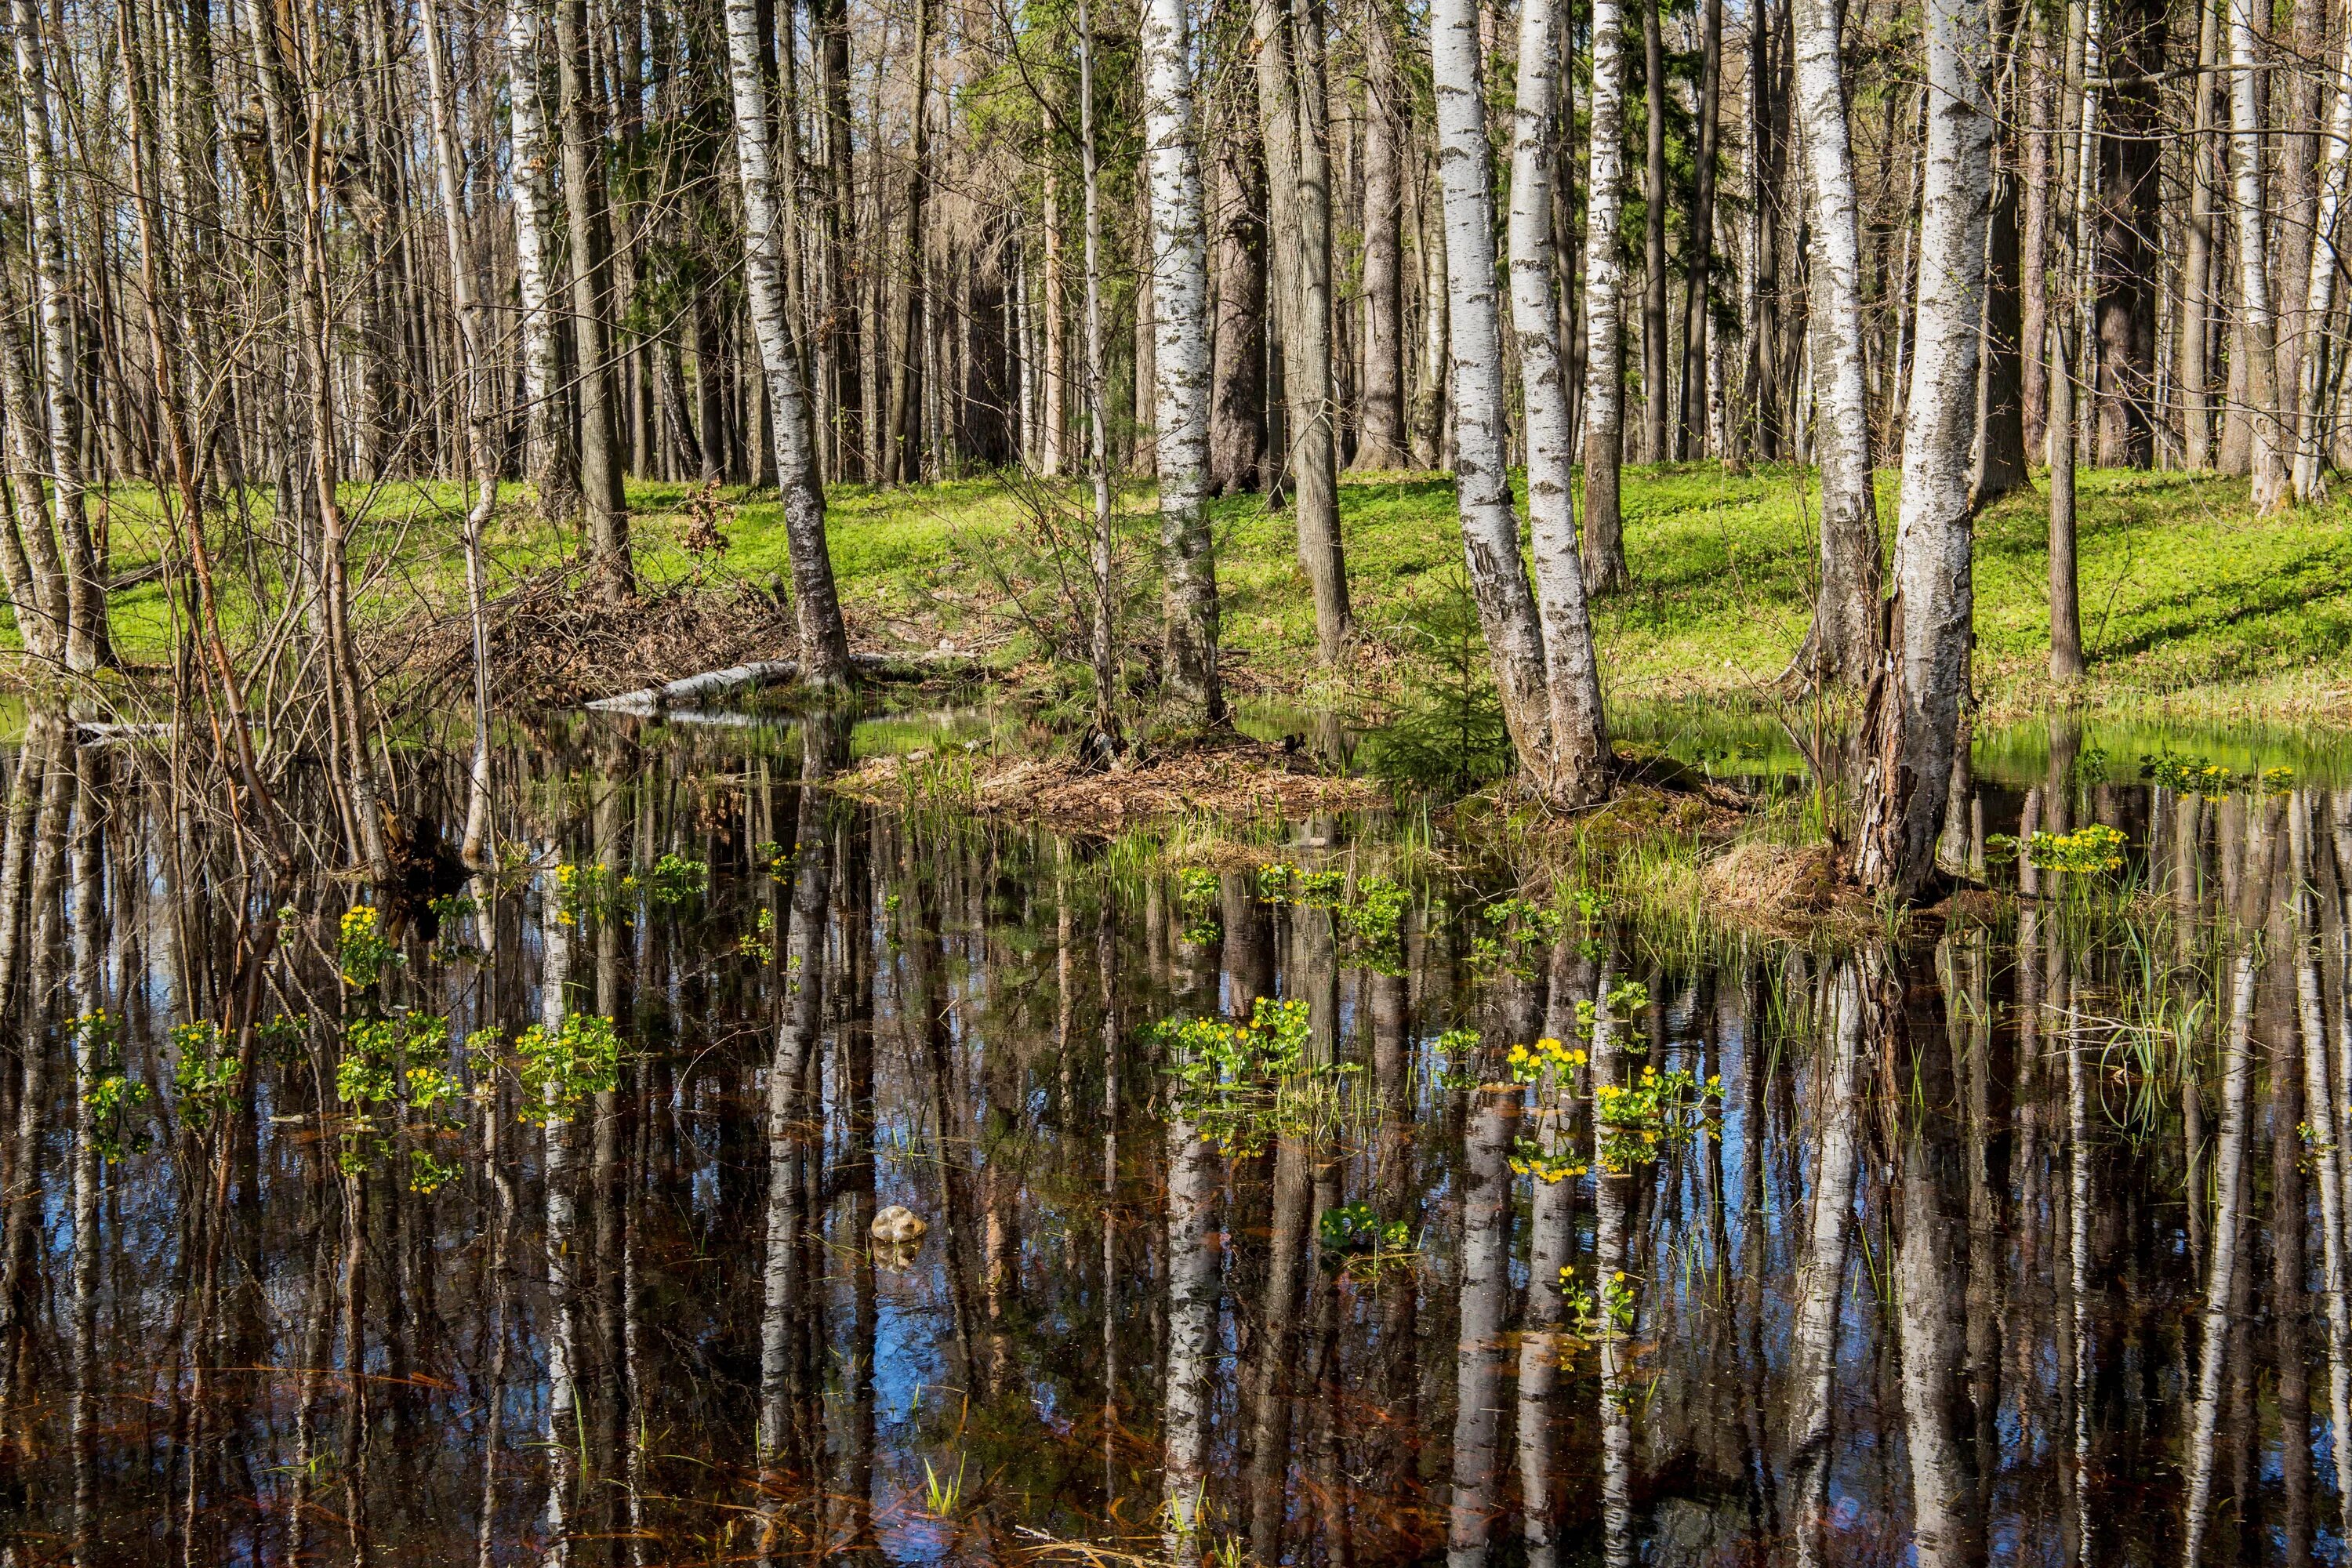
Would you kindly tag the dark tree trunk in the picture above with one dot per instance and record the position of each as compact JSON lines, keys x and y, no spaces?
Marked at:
{"x":1655,"y":384}
{"x":1380,"y":439}
{"x":2000,"y":460}
{"x":841,"y":327}
{"x":1690,"y":439}
{"x":2033,"y":270}
{"x":608,"y":509}
{"x":2129,"y":278}
{"x":1237,"y":348}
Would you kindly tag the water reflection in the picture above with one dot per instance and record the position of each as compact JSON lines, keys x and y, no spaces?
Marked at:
{"x":2021,"y":1241}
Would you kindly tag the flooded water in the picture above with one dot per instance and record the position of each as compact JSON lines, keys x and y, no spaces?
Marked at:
{"x":1300,"y":1200}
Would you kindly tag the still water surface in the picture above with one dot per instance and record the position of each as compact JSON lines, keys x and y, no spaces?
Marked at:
{"x":2021,"y":1240}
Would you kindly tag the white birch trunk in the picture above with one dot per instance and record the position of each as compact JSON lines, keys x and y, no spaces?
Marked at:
{"x":825,"y":644}
{"x":1579,"y":741}
{"x":549,"y":457}
{"x":1604,"y":293}
{"x":2257,"y":319}
{"x":1490,"y":529}
{"x":2310,"y":456}
{"x":1917,"y":699}
{"x":87,"y":646}
{"x":1845,"y":625}
{"x":1181,"y":375}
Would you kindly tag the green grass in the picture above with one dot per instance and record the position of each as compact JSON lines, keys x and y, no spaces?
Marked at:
{"x":2192,"y":607}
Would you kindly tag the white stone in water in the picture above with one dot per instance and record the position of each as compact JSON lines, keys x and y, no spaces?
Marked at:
{"x":897,"y":1226}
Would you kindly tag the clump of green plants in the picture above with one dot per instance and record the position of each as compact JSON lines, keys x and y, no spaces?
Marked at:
{"x":2093,"y":850}
{"x":1197,"y":895}
{"x":1604,"y":1315}
{"x":1374,"y":922}
{"x":203,"y":1074}
{"x":1354,"y":1240}
{"x":1513,"y":932}
{"x":677,"y":878}
{"x":1453,"y":1058}
{"x":362,"y":951}
{"x":2197,"y":775}
{"x":1243,"y":1084}
{"x":114,"y":1096}
{"x":1637,"y":1123}
{"x":760,"y":942}
{"x":1549,"y":1067}
{"x":279,"y":1037}
{"x":394,"y":1077}
{"x":561,"y":1068}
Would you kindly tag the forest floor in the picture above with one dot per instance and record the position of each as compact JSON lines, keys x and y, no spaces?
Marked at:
{"x":2193,"y":608}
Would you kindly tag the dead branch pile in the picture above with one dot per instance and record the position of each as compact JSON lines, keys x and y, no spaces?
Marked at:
{"x":555,"y":645}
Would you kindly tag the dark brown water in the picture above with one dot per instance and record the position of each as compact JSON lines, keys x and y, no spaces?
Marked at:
{"x":2019,"y":1241}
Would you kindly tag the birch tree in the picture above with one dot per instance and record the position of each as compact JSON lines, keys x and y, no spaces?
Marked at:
{"x":1565,"y":766}
{"x":1604,"y":316}
{"x":1842,"y":643}
{"x":552,"y":460}
{"x":2257,"y":319}
{"x":2310,"y":461}
{"x":1579,"y":736}
{"x":87,"y":644}
{"x":1179,"y":278}
{"x":824,"y":642}
{"x":1912,"y":712}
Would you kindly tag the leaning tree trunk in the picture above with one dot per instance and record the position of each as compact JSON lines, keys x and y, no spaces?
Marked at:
{"x":87,"y":644}
{"x":2257,"y":320}
{"x":825,"y":643}
{"x":1298,"y":196}
{"x":1912,"y":709}
{"x":1843,"y":643}
{"x":1490,"y":532}
{"x":1604,"y":316}
{"x":1578,"y":759}
{"x":1179,"y":286}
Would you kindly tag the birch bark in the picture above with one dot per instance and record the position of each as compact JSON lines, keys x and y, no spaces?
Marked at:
{"x":1490,"y":531}
{"x":1604,"y":318}
{"x":2310,"y":460}
{"x":824,"y":642}
{"x":552,"y":459}
{"x":87,"y":644}
{"x":1915,"y":697}
{"x":1179,"y":281}
{"x":1843,"y":643}
{"x":2256,"y":317}
{"x":1579,"y":744}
